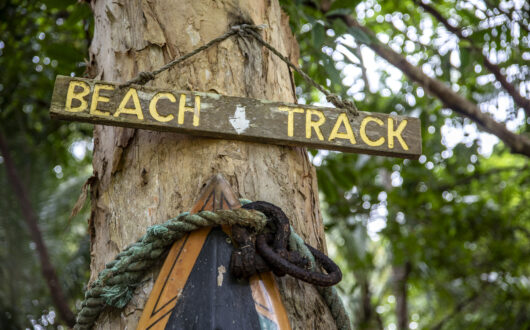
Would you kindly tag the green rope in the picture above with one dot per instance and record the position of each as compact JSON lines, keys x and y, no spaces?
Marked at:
{"x":329,"y":294}
{"x":116,"y":283}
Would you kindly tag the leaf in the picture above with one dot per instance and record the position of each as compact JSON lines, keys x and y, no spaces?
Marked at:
{"x":360,"y":35}
{"x":82,"y":198}
{"x":446,"y":66}
{"x":338,"y":12}
{"x":318,"y":35}
{"x":465,"y":57}
{"x":347,"y":5}
{"x":58,"y":4}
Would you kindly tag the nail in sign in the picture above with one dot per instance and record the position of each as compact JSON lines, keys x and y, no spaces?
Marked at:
{"x":238,"y":118}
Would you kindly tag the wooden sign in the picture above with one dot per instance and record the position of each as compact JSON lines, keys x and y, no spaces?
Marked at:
{"x":238,"y":118}
{"x":195,"y":289}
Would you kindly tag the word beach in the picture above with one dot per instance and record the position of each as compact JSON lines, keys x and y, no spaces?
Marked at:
{"x":238,"y":118}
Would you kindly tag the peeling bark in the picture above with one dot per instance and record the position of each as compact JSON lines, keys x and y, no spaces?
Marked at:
{"x":144,"y":177}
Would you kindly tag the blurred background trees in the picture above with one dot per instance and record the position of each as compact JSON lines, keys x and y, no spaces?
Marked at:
{"x":38,"y":40}
{"x":441,"y":243}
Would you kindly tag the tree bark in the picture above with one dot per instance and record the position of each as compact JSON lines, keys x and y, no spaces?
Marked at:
{"x":29,"y":215}
{"x":144,"y":178}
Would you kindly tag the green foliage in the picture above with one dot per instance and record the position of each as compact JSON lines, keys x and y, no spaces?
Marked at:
{"x":459,"y":216}
{"x":39,"y":40}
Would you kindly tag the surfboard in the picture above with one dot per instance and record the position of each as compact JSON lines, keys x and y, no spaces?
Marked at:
{"x":195,"y":290}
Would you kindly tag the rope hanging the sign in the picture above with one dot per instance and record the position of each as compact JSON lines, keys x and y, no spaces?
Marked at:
{"x":246,"y":30}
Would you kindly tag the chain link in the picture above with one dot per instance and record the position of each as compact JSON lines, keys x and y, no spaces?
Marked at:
{"x":268,"y":251}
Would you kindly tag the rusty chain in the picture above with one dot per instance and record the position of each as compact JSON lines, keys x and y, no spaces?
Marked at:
{"x":269,"y":251}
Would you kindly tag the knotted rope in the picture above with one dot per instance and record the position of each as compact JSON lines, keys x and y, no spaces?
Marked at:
{"x":115,"y":284}
{"x":245,"y":31}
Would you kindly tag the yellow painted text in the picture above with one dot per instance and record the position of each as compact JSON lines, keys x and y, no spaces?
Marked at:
{"x":98,"y":98}
{"x":342,"y":120}
{"x":80,"y":96}
{"x":365,"y":138}
{"x":152,"y":107}
{"x":136,"y":110}
{"x":196,"y":110}
{"x":290,"y":118}
{"x":314,"y":125}
{"x":396,"y":134}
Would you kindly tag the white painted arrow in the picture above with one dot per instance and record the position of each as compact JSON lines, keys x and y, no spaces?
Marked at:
{"x":238,"y":121}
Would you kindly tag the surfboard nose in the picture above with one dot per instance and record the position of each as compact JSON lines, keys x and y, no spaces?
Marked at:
{"x":195,"y":289}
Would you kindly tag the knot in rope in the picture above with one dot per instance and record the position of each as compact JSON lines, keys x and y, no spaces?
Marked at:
{"x":242,"y":28}
{"x":116,"y":283}
{"x":245,"y":31}
{"x":269,"y":251}
{"x":145,"y":77}
{"x":343,"y":104}
{"x":141,"y":79}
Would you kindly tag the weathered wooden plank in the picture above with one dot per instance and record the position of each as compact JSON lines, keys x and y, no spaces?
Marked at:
{"x":237,"y":118}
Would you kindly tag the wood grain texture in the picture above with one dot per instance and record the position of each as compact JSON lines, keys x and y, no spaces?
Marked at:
{"x":237,"y":118}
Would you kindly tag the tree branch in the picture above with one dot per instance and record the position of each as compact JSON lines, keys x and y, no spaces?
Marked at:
{"x":519,"y":144}
{"x":353,"y":54}
{"x":493,"y":68}
{"x":509,"y":14}
{"x":48,"y":271}
{"x":363,"y":69}
{"x":368,"y":318}
{"x":458,"y":308}
{"x":479,"y":175}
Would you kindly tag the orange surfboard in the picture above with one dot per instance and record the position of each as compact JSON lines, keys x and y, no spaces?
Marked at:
{"x":195,"y":289}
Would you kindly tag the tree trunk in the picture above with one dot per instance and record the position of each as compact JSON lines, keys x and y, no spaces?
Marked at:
{"x":400,"y":275}
{"x":30,"y":216}
{"x":144,"y":177}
